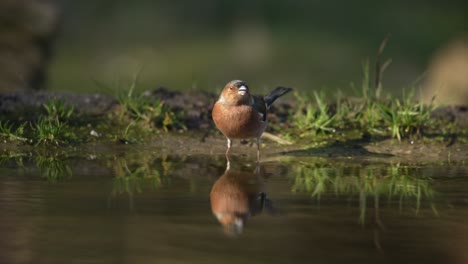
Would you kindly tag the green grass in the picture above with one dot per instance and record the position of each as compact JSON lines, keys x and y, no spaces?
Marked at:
{"x":406,"y":117}
{"x":49,"y":127}
{"x":9,"y":132}
{"x":145,"y":113}
{"x":50,"y":131}
{"x":313,"y":118}
{"x":369,"y":112}
{"x":58,"y":123}
{"x":58,"y":110}
{"x":140,"y":115}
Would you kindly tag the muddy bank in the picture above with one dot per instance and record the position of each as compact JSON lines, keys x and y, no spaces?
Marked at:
{"x":201,"y":137}
{"x":197,"y":142}
{"x":194,"y":107}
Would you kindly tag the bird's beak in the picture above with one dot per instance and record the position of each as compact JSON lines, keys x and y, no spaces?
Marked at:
{"x":242,"y":90}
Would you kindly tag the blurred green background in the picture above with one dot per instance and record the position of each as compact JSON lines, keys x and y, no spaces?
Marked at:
{"x":202,"y":45}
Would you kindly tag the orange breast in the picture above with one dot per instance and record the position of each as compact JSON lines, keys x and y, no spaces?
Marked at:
{"x":240,"y":121}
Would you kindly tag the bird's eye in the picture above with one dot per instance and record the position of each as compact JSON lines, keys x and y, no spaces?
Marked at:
{"x":231,"y":88}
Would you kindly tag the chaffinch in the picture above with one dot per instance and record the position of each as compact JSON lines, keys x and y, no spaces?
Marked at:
{"x":240,"y":115}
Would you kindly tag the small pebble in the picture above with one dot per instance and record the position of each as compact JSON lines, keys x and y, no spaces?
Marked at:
{"x":94,"y":133}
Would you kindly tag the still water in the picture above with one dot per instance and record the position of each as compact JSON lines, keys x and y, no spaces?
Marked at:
{"x":137,"y":207}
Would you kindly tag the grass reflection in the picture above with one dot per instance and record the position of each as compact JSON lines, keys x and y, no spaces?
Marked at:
{"x":53,"y":167}
{"x":131,"y":172}
{"x":136,"y":174}
{"x":13,"y":159}
{"x":399,"y":184}
{"x":133,"y":176}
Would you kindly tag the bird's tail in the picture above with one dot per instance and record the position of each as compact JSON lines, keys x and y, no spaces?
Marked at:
{"x":275,"y":94}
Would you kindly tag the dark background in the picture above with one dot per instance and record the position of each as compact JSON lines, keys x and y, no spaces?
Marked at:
{"x":308,"y":45}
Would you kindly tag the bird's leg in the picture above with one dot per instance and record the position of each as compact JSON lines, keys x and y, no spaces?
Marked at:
{"x":258,"y":149}
{"x":229,"y":144}
{"x":257,"y":170}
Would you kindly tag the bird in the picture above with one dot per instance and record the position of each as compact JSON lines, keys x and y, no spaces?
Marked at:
{"x":240,"y":115}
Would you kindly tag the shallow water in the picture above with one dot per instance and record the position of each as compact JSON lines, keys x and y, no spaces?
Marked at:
{"x":141,"y":207}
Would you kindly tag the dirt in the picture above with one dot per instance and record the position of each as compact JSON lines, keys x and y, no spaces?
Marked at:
{"x":202,"y":137}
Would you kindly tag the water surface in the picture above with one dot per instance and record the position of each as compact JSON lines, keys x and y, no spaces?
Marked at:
{"x":141,"y":207}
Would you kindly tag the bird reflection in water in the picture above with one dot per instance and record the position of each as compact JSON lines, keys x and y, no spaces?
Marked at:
{"x":238,"y":195}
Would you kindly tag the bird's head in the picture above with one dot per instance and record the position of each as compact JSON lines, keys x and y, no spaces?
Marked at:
{"x":235,"y":92}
